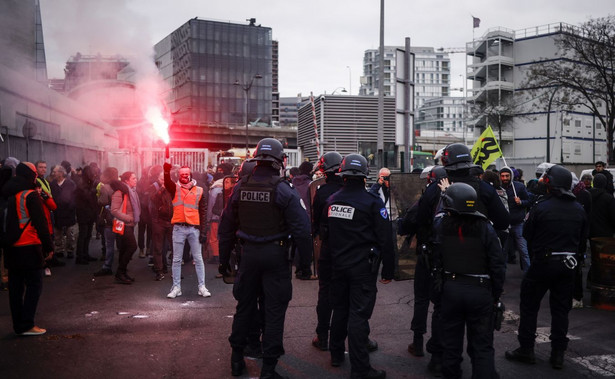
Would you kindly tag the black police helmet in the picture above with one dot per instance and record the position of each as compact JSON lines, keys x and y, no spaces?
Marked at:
{"x":246,"y":168}
{"x":558,"y":180}
{"x":456,"y":156}
{"x":437,"y":173}
{"x":354,"y":165}
{"x":461,"y":198}
{"x":269,"y":149}
{"x":330,"y":162}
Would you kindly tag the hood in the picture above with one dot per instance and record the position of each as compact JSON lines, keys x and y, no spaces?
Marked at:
{"x":218,"y":183}
{"x":189,"y":185}
{"x":116,"y":185}
{"x":301,"y":180}
{"x":25,"y":174}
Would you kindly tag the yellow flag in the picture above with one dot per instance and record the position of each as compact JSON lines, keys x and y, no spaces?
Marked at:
{"x":486,"y":149}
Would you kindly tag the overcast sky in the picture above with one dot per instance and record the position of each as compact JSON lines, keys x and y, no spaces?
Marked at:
{"x":321,"y":41}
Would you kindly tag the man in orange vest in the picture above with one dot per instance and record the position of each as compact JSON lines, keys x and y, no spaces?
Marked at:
{"x":189,"y":224}
{"x":28,"y":244}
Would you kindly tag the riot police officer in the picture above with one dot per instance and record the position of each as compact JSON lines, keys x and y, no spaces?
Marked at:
{"x":328,"y":164}
{"x":457,"y":161}
{"x":472,"y":270}
{"x":263,"y":210}
{"x":357,"y":232}
{"x":554,"y":228}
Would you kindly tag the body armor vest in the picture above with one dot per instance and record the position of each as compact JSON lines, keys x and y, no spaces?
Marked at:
{"x":258,"y":214}
{"x":467,"y":257}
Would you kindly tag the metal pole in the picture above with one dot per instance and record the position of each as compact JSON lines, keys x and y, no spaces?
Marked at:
{"x":349,"y":80}
{"x":594,"y":138}
{"x":408,"y":124}
{"x":245,"y":118}
{"x":380,"y":141}
{"x":549,"y":124}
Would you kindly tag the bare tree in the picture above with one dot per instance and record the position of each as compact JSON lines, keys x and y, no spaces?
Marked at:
{"x":497,"y":112}
{"x":583,"y":76}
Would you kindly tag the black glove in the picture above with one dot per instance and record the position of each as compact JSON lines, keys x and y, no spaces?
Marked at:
{"x":498,"y":314}
{"x":203,"y":238}
{"x":224,"y":269}
{"x":167,"y":167}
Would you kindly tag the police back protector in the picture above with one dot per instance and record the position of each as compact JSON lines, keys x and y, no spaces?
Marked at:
{"x":467,"y":256}
{"x":258,"y":214}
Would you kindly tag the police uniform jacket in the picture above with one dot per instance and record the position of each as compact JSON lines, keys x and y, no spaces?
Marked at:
{"x":285,"y":198}
{"x":356,"y":222}
{"x":555,"y":224}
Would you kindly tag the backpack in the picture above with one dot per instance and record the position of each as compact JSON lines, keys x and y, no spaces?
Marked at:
{"x":218,"y":206}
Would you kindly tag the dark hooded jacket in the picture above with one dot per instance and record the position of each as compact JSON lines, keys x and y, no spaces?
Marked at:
{"x":85,"y":197}
{"x":29,"y":257}
{"x":602,"y":217}
{"x":64,"y":196}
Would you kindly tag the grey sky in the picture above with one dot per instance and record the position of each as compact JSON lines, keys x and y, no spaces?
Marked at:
{"x":319,"y":39}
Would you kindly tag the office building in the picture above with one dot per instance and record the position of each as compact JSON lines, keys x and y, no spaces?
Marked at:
{"x":211,"y":66}
{"x":431,"y":78}
{"x":499,"y":60}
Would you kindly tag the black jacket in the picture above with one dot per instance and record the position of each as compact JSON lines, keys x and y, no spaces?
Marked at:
{"x":602,"y":217}
{"x":64,"y":196}
{"x":85,"y":197}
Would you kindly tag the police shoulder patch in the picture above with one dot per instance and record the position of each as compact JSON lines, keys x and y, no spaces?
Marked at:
{"x":384,"y":213}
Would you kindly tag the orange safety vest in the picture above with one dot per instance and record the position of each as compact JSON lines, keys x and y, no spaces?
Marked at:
{"x":29,"y":236}
{"x":186,"y":208}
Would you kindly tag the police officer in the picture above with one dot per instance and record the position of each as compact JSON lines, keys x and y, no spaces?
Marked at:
{"x":328,"y":164}
{"x":357,"y":232}
{"x":554,"y":228}
{"x":472,"y":269}
{"x":457,"y":162}
{"x":263,"y":210}
{"x":422,"y":272}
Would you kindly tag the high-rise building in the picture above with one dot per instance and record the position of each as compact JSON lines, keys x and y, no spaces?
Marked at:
{"x":211,"y":66}
{"x":431,"y":79}
{"x":441,"y":113}
{"x":499,"y":60}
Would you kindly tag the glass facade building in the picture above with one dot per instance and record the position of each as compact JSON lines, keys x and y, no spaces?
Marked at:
{"x":209,"y":64}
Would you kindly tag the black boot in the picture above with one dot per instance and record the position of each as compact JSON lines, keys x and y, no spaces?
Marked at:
{"x":268,"y":369}
{"x":435,"y":366}
{"x":372,"y":345}
{"x":523,"y":355}
{"x":416,"y":347}
{"x":237,"y":363}
{"x":557,"y":359}
{"x":371,"y":374}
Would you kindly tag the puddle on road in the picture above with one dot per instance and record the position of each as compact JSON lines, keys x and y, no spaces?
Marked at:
{"x":91,"y":314}
{"x":140,"y":316}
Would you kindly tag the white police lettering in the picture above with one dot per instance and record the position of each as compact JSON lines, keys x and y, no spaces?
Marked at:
{"x":341,"y":211}
{"x":355,"y":162}
{"x":266,"y":147}
{"x":256,"y":196}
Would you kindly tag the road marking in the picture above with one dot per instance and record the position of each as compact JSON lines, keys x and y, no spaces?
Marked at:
{"x":603,"y":365}
{"x":543,"y":333}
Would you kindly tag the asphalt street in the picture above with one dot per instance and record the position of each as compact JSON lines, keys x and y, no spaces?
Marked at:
{"x":99,"y":329}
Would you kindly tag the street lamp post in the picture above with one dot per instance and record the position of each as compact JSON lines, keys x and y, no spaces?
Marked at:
{"x":339,"y":88}
{"x":246,"y":88}
{"x":349,"y":80}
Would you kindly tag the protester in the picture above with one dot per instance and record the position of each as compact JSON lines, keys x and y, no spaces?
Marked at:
{"x":109,"y":175}
{"x":65,"y":217}
{"x":125,"y":206}
{"x":28,"y":244}
{"x":161,"y":212}
{"x":86,"y":211}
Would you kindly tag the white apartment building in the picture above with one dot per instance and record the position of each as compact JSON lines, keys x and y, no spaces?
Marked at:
{"x":432,"y":73}
{"x":495,"y":70}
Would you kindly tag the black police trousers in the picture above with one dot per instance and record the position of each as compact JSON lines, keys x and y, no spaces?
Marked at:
{"x":354,"y":290}
{"x":264,"y":270}
{"x":422,"y":286}
{"x":467,"y":305}
{"x":546,"y":274}
{"x":336,"y":321}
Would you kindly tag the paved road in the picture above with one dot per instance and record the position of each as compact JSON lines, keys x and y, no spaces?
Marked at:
{"x":99,"y":329}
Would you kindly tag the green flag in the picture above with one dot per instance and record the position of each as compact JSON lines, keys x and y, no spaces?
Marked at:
{"x":486,"y":149}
